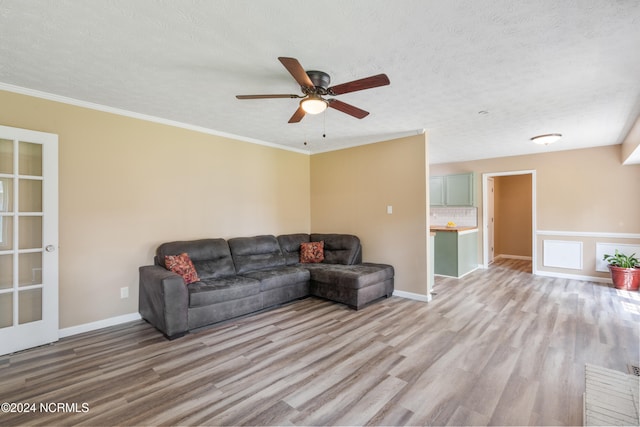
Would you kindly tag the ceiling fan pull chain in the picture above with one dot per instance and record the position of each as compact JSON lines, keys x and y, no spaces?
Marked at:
{"x":324,"y":124}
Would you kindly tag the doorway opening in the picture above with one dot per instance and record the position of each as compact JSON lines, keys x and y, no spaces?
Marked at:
{"x":508,"y":220}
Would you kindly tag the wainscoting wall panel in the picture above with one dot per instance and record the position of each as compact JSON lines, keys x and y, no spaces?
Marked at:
{"x":562,"y":254}
{"x":610,"y":248}
{"x":557,"y":252}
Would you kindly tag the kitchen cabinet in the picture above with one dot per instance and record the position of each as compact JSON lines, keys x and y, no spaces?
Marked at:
{"x":459,"y":189}
{"x":436,"y":191}
{"x":452,"y":190}
{"x":430,"y":264}
{"x":455,"y":251}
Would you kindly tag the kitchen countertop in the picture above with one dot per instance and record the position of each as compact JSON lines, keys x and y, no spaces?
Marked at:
{"x":452,"y":229}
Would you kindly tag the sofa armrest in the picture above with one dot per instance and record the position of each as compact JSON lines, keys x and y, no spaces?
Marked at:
{"x":164,"y":300}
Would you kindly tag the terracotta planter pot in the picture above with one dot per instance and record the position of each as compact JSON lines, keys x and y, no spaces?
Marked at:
{"x":625,"y":278}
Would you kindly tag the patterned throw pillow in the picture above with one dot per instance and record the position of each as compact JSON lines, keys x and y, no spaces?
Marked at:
{"x":312,"y":252}
{"x":182,"y":265}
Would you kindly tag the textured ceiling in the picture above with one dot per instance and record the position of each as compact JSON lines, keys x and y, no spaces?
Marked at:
{"x":535,"y":67}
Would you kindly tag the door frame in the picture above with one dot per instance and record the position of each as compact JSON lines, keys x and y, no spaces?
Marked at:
{"x":485,"y":224}
{"x":491,"y":237}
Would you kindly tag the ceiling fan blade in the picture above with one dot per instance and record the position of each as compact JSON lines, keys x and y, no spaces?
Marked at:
{"x":297,"y":116}
{"x":361,"y":84}
{"x":295,"y":69}
{"x":267,"y":96}
{"x":347,"y":108}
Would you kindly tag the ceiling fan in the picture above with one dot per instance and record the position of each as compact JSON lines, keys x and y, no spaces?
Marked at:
{"x":315,"y":86}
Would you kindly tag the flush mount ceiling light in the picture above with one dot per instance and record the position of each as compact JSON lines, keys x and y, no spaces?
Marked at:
{"x":546,"y":139}
{"x":313,"y":104}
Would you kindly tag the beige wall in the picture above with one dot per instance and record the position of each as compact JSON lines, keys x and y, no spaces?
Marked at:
{"x":512,"y":215}
{"x":350,"y":192}
{"x":577,"y":194}
{"x":127,"y":185}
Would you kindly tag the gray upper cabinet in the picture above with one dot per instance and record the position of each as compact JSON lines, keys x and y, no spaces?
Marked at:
{"x":436,"y":191}
{"x":459,"y":190}
{"x":452,"y":190}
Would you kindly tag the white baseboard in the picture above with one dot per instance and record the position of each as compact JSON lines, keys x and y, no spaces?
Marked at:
{"x":105,"y":323}
{"x":480,"y":266}
{"x":504,"y":256}
{"x":470,"y":271}
{"x":411,"y":295}
{"x":573,"y":276}
{"x":556,"y":274}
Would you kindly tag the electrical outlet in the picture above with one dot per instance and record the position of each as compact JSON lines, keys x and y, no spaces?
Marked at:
{"x":124,"y":292}
{"x":389,"y":209}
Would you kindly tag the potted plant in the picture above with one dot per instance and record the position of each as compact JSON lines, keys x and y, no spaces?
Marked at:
{"x":625,"y":270}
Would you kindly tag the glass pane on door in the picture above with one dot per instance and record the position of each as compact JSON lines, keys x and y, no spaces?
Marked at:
{"x":30,"y":269}
{"x":29,"y":306}
{"x":6,"y":156}
{"x":6,"y":233}
{"x":6,"y":271}
{"x":30,"y":159}
{"x":29,"y":232}
{"x":6,"y":207}
{"x":30,"y":195}
{"x":6,"y":310}
{"x":6,"y":195}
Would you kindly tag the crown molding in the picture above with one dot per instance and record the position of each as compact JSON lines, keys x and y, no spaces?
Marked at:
{"x":132,"y":114}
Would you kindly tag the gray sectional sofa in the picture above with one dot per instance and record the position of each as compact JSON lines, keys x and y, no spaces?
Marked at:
{"x":247,"y":274}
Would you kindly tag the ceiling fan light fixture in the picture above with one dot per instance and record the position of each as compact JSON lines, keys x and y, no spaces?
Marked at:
{"x":313,"y":105}
{"x":546,"y":139}
{"x":315,"y":84}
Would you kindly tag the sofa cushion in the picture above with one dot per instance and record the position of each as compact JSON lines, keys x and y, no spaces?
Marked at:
{"x":311,"y":252}
{"x":339,"y":248}
{"x":350,"y":276}
{"x":211,"y":257}
{"x":255,"y":253}
{"x":279,"y":277}
{"x":290,"y":246}
{"x":213,"y":291}
{"x":182,"y":265}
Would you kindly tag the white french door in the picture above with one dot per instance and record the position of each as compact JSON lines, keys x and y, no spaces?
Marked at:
{"x":28,"y":239}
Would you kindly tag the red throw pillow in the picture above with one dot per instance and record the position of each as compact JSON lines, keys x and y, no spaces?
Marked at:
{"x":312,"y":252}
{"x":182,"y":265}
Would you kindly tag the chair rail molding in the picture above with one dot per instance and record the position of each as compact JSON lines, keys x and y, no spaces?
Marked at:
{"x":603,"y":234}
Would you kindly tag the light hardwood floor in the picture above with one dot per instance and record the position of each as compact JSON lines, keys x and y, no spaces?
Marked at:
{"x":499,"y":347}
